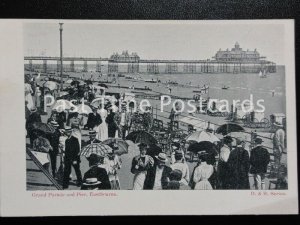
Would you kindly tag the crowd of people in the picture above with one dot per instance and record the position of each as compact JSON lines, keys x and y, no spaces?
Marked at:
{"x":152,"y":168}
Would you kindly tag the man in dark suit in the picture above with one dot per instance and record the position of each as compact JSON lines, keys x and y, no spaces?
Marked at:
{"x":96,"y":172}
{"x":94,"y":119}
{"x":157,"y":177}
{"x":72,"y":158}
{"x":239,"y":164}
{"x":54,"y":142}
{"x":259,"y":160}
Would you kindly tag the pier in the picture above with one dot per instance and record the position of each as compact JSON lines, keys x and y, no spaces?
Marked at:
{"x":234,"y":61}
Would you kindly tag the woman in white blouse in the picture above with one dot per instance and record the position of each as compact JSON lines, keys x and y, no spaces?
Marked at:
{"x":202,"y":173}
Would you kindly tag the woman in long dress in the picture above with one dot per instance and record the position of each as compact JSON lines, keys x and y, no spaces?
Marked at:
{"x":202,"y":173}
{"x":139,"y":167}
{"x":28,"y":96}
{"x":38,"y":94}
{"x":102,"y":129}
{"x":114,"y":164}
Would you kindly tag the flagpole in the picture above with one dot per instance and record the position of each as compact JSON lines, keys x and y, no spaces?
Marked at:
{"x":61,"y":55}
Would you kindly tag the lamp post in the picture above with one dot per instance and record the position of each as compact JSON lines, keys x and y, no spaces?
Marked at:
{"x":61,"y":55}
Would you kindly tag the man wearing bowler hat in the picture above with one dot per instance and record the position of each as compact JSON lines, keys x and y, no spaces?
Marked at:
{"x":239,"y":164}
{"x":259,"y":160}
{"x":157,"y":177}
{"x":72,"y":158}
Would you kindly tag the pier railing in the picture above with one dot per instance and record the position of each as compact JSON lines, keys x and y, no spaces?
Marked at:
{"x":43,"y":170}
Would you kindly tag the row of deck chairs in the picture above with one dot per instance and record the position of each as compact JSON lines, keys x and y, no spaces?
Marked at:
{"x":167,"y":134}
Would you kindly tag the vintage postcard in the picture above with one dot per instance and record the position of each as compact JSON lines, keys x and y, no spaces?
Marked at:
{"x":148,"y":117}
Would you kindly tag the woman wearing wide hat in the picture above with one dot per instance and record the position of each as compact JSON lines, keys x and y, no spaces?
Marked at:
{"x":102,"y":129}
{"x":93,"y":120}
{"x":139,"y":166}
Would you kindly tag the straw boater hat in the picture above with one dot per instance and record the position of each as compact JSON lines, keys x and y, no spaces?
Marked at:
{"x":162,"y":157}
{"x":278,"y":124}
{"x":92,"y":132}
{"x":91,"y":182}
{"x":201,"y":153}
{"x":54,"y":123}
{"x":33,"y":109}
{"x":68,"y":129}
{"x":176,"y":140}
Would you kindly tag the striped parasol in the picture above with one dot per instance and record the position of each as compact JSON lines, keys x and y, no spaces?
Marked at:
{"x":96,"y":148}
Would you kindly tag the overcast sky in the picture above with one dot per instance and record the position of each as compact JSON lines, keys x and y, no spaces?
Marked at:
{"x":153,"y":41}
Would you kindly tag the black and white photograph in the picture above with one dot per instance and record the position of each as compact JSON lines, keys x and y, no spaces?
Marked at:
{"x":155,"y":106}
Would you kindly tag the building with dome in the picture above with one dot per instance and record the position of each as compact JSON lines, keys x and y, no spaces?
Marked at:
{"x":238,"y":54}
{"x":124,"y":57}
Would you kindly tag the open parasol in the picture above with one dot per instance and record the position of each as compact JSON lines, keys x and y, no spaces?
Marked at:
{"x":141,"y":137}
{"x":84,"y":109}
{"x":51,"y":85}
{"x":96,"y":148}
{"x":62,"y":104}
{"x":63,"y":93}
{"x":120,"y":143}
{"x":228,"y":128}
{"x":69,"y":81}
{"x":199,"y":136}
